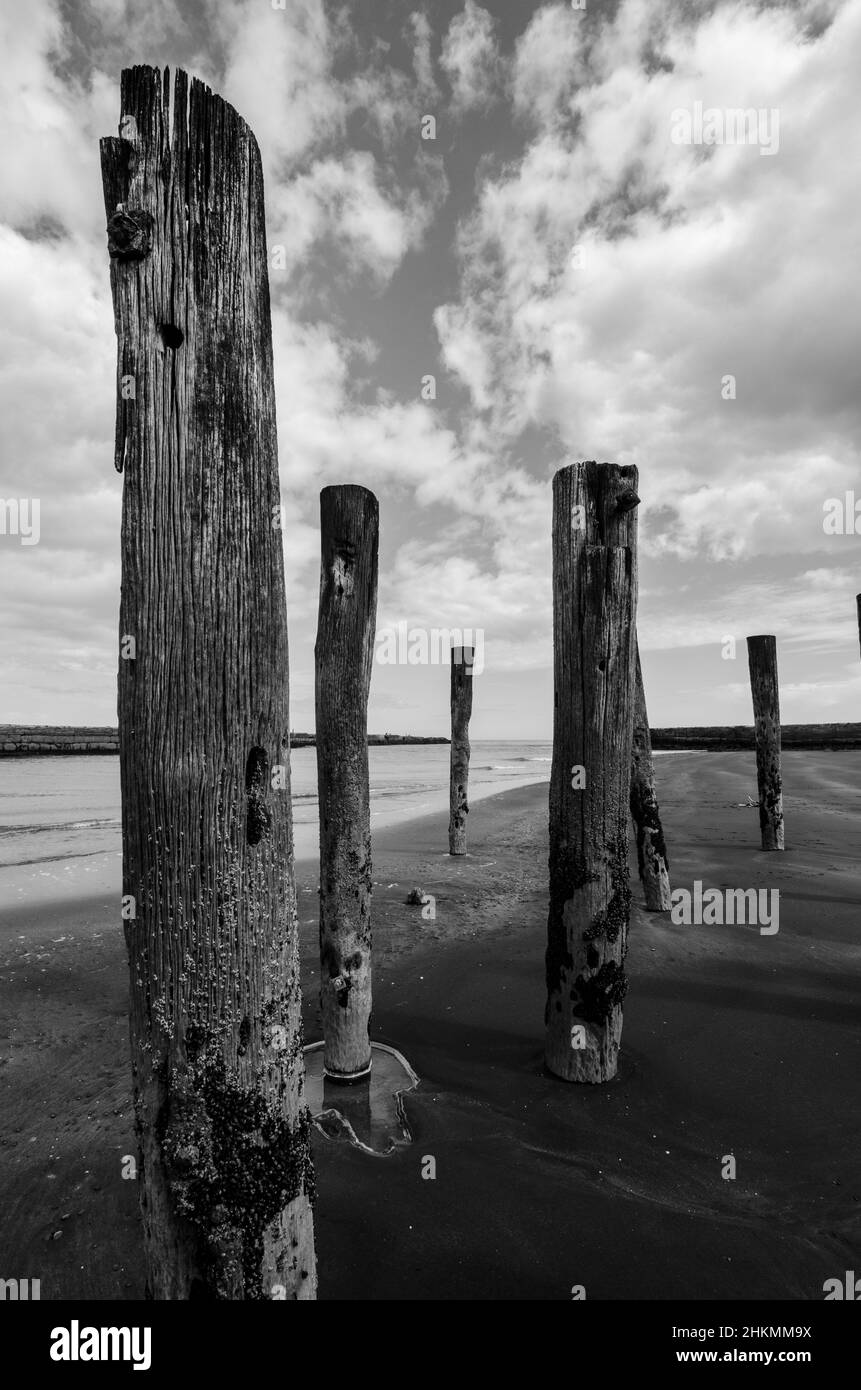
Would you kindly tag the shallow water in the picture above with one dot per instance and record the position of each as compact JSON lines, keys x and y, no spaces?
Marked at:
{"x":366,"y":1113}
{"x":67,"y":808}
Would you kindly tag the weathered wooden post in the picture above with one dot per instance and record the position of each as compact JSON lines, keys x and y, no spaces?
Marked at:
{"x":762,"y":662}
{"x":349,"y":525}
{"x":462,"y":659}
{"x":858,"y":607}
{"x":209,"y":900}
{"x":594,"y":626}
{"x":651,"y":847}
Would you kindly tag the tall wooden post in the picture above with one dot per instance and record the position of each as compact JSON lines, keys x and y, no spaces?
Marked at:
{"x":762,"y":662}
{"x":651,"y":846}
{"x":461,"y":709}
{"x":858,"y":607}
{"x":349,"y":525}
{"x":209,"y":901}
{"x":594,"y":626}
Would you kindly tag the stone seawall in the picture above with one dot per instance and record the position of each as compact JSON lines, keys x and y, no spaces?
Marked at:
{"x":29,"y":741}
{"x":740,"y":736}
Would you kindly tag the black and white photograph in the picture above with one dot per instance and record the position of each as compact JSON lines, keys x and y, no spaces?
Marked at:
{"x":430,"y":704}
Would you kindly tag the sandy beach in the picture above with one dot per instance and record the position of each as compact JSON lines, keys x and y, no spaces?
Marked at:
{"x":734,"y":1043}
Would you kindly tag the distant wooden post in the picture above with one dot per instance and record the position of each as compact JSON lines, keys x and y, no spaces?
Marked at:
{"x":349,"y":525}
{"x":858,"y":607}
{"x":461,"y":709}
{"x":762,"y":661}
{"x":209,"y":898}
{"x":651,"y":847}
{"x":594,"y":625}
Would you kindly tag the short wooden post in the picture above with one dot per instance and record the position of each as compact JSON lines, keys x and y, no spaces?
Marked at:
{"x":209,"y":898}
{"x":594,"y":625}
{"x":349,"y":531}
{"x":762,"y":661}
{"x":651,"y":847}
{"x":461,"y":709}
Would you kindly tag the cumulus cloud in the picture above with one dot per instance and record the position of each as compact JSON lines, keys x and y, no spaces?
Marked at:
{"x":279,"y":75}
{"x":592,"y":285}
{"x":611,"y":280}
{"x":548,"y":63}
{"x":303,"y":78}
{"x":340,"y":208}
{"x":422,"y":36}
{"x":470,"y":58}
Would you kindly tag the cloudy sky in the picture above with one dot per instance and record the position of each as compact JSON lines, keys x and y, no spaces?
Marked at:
{"x":580,"y":285}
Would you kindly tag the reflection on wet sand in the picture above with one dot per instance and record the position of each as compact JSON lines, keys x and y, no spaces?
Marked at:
{"x":368,"y":1113}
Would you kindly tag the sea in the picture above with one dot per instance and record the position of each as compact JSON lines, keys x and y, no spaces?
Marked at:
{"x":58,"y":812}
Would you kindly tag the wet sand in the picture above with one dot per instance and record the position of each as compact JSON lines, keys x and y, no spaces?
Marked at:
{"x":734,"y":1043}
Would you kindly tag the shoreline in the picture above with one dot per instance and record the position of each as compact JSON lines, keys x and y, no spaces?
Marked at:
{"x":102,"y":887}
